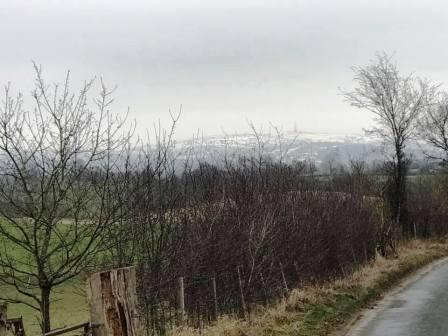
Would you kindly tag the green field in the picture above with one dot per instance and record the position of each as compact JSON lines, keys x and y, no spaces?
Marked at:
{"x":68,"y":301}
{"x":68,"y":307}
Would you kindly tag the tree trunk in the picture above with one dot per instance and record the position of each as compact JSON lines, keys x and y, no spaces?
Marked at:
{"x":3,"y":319}
{"x":45,"y":309}
{"x":398,"y":201}
{"x":401,"y":196}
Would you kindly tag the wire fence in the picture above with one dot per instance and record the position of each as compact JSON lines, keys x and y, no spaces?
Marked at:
{"x":238,"y":292}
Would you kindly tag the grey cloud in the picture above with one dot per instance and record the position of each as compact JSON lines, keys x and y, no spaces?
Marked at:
{"x":225,"y":61}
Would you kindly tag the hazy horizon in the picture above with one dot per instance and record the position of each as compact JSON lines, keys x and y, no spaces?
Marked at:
{"x":225,"y":62}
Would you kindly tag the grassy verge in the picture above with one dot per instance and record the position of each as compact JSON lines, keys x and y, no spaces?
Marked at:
{"x":310,"y":311}
{"x":320,"y":310}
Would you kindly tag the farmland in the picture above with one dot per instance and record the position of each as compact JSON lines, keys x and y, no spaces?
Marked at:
{"x":69,"y":307}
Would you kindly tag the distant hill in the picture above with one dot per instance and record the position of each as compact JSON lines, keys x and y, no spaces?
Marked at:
{"x":321,"y":148}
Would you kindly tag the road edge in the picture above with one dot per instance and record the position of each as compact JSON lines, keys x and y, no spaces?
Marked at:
{"x":364,"y":316}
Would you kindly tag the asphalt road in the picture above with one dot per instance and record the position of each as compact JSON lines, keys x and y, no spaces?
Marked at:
{"x":418,"y":308}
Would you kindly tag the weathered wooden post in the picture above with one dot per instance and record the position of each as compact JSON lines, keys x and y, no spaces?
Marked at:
{"x":3,"y":319}
{"x":265,"y":293}
{"x":285,"y":284}
{"x":181,"y":299}
{"x":113,"y":304}
{"x":240,"y":288}
{"x":215,"y":298}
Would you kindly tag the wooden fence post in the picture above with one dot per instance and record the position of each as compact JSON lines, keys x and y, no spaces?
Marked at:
{"x":181,"y":299}
{"x":285,"y":284}
{"x":296,"y":268}
{"x":240,"y":287}
{"x":265,"y":293}
{"x":113,"y":302}
{"x":215,"y":298}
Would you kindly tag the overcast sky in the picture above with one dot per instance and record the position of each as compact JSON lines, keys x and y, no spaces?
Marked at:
{"x":225,"y":61}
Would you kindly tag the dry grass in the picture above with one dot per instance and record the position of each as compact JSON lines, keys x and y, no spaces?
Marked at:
{"x":320,"y":309}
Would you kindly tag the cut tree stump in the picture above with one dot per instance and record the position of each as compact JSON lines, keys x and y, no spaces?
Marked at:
{"x":113,"y":304}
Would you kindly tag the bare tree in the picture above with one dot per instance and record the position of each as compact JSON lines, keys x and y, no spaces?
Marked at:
{"x":434,"y":126}
{"x":60,"y":164}
{"x":397,"y":101}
